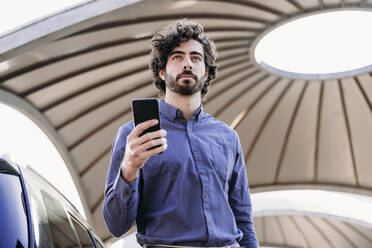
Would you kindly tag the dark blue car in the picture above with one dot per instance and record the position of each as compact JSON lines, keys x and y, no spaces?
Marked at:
{"x":35,"y":214}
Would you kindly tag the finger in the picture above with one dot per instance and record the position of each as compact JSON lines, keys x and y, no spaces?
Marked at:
{"x":142,"y":149}
{"x":155,"y":151}
{"x":142,"y":127}
{"x":152,"y":143}
{"x":150,"y":136}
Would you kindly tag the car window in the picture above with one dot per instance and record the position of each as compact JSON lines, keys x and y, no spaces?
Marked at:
{"x":62,"y":232}
{"x":98,"y":243}
{"x":13,"y":218}
{"x":83,"y":234}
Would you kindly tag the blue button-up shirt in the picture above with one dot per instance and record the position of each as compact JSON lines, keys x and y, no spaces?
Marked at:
{"x":195,"y":193}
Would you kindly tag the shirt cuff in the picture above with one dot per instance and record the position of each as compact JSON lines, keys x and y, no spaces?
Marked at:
{"x":121,"y":187}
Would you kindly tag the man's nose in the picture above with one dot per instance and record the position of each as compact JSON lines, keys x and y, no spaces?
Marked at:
{"x":187,"y":64}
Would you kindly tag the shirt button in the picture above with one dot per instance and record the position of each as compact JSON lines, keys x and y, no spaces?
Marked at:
{"x":127,"y":193}
{"x":206,"y":196}
{"x":209,"y":222}
{"x":201,"y":171}
{"x":195,"y":150}
{"x":189,"y":130}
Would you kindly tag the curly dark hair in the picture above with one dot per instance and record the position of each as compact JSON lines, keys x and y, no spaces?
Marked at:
{"x":170,"y":37}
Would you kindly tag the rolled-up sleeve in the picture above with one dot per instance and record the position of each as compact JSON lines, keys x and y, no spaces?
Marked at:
{"x":121,"y":199}
{"x":240,"y":200}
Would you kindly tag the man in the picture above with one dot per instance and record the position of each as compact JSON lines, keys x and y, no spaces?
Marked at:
{"x":192,"y":190}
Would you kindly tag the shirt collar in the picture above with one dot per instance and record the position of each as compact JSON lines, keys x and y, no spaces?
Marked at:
{"x":174,"y":113}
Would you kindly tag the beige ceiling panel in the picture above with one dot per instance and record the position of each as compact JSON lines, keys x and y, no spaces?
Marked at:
{"x":240,"y":104}
{"x":258,"y":226}
{"x":244,"y":59}
{"x":365,"y":232}
{"x":227,"y":44}
{"x":231,"y":92}
{"x":88,"y":123}
{"x":223,"y":75}
{"x":94,"y":144}
{"x":313,"y":233}
{"x":351,"y":233}
{"x":264,"y":160}
{"x":242,"y":35}
{"x":122,"y":32}
{"x":282,"y":5}
{"x":250,"y":125}
{"x":77,"y":105}
{"x":226,"y":53}
{"x":308,"y":4}
{"x":334,"y":161}
{"x":220,"y":83}
{"x":183,"y":8}
{"x":333,"y":233}
{"x":273,"y":233}
{"x":94,"y":179}
{"x":40,"y":76}
{"x":366,"y":84}
{"x":19,"y":62}
{"x":68,"y":87}
{"x":360,"y":121}
{"x":298,"y":160}
{"x":332,"y":2}
{"x":79,"y":42}
{"x":105,"y":138}
{"x":226,"y":23}
{"x":353,"y":1}
{"x":292,"y":234}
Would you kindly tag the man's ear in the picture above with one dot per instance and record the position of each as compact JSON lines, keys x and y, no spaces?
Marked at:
{"x":162,"y":74}
{"x":206,"y":74}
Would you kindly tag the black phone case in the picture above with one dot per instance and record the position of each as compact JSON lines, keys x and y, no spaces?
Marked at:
{"x":145,"y":109}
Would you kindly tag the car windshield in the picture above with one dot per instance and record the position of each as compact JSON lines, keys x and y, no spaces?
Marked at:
{"x":13,"y":218}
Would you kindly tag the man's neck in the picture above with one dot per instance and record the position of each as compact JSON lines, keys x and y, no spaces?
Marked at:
{"x":188,"y":104}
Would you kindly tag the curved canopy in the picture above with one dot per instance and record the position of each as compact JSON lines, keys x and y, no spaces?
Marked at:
{"x":75,"y":73}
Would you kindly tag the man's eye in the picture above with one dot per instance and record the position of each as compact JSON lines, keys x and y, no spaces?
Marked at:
{"x":177,"y":57}
{"x":197,"y":58}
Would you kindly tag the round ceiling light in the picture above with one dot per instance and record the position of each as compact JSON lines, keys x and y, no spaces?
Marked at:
{"x":326,"y":45}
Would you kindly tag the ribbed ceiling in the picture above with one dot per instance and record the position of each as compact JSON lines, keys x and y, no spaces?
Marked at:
{"x":303,"y":231}
{"x":293,"y":132}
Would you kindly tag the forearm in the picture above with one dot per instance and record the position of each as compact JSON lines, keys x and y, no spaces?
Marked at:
{"x":240,"y":201}
{"x":120,"y":206}
{"x":249,"y":239}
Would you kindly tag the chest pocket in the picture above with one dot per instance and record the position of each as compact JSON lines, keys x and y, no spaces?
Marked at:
{"x":160,"y":168}
{"x":223,"y":163}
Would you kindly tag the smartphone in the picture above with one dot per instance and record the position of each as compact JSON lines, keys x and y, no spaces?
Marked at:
{"x":145,"y":109}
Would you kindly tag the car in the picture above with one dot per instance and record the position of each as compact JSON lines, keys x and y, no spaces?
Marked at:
{"x":33,"y":213}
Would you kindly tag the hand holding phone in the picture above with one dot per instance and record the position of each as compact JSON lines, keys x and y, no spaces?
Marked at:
{"x":145,"y":140}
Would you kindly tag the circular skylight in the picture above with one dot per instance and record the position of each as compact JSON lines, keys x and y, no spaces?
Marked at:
{"x":326,"y":45}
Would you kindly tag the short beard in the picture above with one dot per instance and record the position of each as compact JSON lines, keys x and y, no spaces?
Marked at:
{"x":186,"y":90}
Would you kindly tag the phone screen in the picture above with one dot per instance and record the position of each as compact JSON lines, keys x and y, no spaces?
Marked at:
{"x":145,"y":109}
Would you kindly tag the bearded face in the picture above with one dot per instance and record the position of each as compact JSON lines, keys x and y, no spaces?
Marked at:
{"x":185,"y":71}
{"x":185,"y":83}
